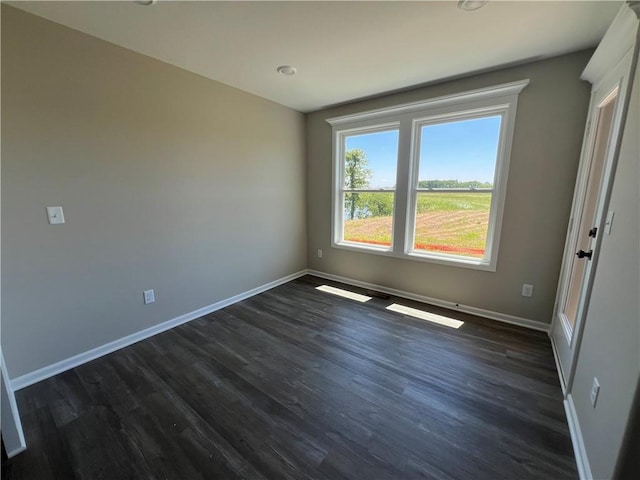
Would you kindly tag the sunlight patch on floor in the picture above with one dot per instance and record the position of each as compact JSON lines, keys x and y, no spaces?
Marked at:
{"x":343,"y":293}
{"x":430,"y":317}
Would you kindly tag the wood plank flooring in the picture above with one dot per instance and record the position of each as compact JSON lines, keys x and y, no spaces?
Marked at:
{"x":296,"y":383}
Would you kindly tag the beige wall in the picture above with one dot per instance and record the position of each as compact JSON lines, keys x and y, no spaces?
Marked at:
{"x":168,"y":180}
{"x":610,"y":347}
{"x":546,"y":148}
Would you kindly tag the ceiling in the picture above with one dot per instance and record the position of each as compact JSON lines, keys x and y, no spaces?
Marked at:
{"x":342,"y":50}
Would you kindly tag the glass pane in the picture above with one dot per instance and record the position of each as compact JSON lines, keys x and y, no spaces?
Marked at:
{"x":456,"y":155}
{"x":370,"y":160}
{"x":588,"y":213}
{"x":459,"y":154}
{"x":368,"y":218}
{"x":455,"y":223}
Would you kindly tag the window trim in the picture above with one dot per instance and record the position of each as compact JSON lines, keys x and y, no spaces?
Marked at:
{"x":495,"y":217}
{"x":408,"y":118}
{"x":340,"y":190}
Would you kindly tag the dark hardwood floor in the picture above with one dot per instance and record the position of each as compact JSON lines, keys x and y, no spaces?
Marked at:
{"x":295,"y":383}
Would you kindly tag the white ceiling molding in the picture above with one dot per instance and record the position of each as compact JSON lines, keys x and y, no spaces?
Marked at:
{"x":619,"y":39}
{"x":512,"y":88}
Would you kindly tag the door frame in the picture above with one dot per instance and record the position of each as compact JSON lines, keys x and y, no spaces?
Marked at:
{"x":12,"y":433}
{"x":616,"y":79}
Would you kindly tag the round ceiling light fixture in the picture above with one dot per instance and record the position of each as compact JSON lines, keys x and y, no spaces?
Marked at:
{"x":147,"y":3}
{"x":470,"y":5}
{"x":286,"y":70}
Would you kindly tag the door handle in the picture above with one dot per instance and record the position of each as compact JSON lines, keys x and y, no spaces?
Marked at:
{"x":583,"y":254}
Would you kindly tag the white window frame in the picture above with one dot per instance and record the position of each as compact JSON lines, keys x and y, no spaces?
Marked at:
{"x":409,"y":118}
{"x":341,"y":190}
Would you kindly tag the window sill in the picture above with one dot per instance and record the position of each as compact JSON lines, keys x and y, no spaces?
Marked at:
{"x":363,"y":247}
{"x":448,"y":260}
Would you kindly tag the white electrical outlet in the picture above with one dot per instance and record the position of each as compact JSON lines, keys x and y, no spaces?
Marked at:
{"x":595,"y":390}
{"x":149,"y":297}
{"x":55,"y":215}
{"x":527,"y":290}
{"x":319,"y":253}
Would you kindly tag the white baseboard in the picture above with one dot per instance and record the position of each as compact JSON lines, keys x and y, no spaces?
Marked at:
{"x":554,"y":347}
{"x":16,"y":451}
{"x":72,"y":362}
{"x":501,"y":317}
{"x":579,"y":450}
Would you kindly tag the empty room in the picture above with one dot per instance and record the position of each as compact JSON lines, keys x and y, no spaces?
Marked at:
{"x":320,"y":239}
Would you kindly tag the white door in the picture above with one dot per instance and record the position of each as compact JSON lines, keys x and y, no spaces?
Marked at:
{"x":588,"y":216}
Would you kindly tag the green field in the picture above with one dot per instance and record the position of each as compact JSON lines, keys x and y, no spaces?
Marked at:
{"x":451,"y":222}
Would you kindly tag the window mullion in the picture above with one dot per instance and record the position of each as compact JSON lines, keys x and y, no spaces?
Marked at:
{"x":402,"y":185}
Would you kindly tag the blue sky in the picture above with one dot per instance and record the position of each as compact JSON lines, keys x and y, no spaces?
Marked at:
{"x":463,"y":150}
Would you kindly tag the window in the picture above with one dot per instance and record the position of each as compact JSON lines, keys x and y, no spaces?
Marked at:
{"x":426,"y":180}
{"x":368,"y":169}
{"x":455,"y":176}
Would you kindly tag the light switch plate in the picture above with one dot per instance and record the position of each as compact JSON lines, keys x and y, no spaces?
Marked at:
{"x":55,"y":215}
{"x":595,"y":390}
{"x":609,"y":222}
